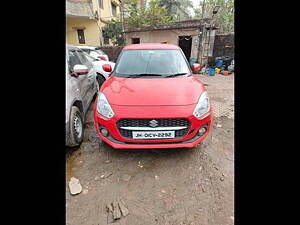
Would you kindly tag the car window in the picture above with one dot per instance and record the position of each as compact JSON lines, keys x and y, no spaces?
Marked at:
{"x":100,"y":52}
{"x":90,"y":58}
{"x":94,"y":53}
{"x":73,"y":59}
{"x":83,"y":59}
{"x":164,"y":62}
{"x":85,"y":50}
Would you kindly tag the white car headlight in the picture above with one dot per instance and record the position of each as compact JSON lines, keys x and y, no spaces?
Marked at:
{"x":103,"y":106}
{"x":202,"y":106}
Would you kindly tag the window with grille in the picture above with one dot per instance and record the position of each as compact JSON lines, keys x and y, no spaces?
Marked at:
{"x":81,"y":36}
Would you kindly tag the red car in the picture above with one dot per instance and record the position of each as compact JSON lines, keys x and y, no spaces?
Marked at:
{"x":152,"y":100}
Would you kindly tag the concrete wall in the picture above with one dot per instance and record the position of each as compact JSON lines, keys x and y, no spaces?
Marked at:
{"x":91,"y":32}
{"x":170,"y":36}
{"x":77,"y":8}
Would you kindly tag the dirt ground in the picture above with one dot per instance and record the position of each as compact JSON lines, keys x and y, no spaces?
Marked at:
{"x":168,"y":187}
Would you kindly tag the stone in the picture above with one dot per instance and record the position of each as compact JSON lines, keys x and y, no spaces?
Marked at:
{"x":106,"y":175}
{"x":125,"y":177}
{"x":116,"y":210}
{"x":123,"y":209}
{"x":109,"y":207}
{"x":75,"y":186}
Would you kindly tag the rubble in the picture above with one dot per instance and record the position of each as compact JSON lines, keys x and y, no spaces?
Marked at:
{"x":140,"y":165}
{"x":123,"y":208}
{"x":75,"y":186}
{"x":125,"y":177}
{"x":116,"y":210}
{"x":106,"y":175}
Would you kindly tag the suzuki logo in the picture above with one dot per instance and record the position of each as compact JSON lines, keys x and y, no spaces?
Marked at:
{"x":153,"y":123}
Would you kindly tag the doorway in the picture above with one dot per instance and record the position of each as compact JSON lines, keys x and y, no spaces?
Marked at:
{"x":185,"y":43}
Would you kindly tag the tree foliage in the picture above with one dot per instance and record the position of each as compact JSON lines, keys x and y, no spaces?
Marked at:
{"x":150,"y":15}
{"x":225,"y":16}
{"x":178,"y":9}
{"x":113,"y":31}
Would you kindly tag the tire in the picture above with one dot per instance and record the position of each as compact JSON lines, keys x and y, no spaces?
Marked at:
{"x":100,"y":80}
{"x":76,"y":126}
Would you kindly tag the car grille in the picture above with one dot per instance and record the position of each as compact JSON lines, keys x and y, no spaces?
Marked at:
{"x":160,"y":123}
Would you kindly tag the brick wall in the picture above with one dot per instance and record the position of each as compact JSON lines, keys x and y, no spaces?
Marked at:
{"x":112,"y":52}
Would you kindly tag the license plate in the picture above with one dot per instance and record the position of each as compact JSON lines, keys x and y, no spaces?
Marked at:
{"x":153,"y":134}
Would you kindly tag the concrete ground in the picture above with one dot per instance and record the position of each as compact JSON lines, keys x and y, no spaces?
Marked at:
{"x":174,"y":186}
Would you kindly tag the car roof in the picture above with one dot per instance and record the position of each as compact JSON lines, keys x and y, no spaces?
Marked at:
{"x":72,"y":47}
{"x":150,"y":46}
{"x":87,"y":47}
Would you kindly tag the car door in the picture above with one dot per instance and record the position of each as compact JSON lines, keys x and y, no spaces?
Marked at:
{"x":87,"y":81}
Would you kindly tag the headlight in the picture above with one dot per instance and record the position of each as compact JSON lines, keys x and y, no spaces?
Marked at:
{"x":103,"y":106}
{"x":202,"y":106}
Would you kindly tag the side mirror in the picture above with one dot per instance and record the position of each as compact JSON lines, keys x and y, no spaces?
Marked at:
{"x":80,"y":70}
{"x":106,"y":67}
{"x":196,"y":67}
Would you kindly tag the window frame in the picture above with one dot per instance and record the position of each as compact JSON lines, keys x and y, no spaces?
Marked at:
{"x":78,"y":35}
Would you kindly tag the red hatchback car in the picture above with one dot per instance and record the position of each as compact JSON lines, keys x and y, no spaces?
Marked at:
{"x":152,"y":100}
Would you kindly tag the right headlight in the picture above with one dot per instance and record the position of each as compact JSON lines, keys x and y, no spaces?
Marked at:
{"x":202,"y":106}
{"x":103,"y":106}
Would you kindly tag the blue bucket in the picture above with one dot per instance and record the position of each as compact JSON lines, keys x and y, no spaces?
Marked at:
{"x":211,"y":71}
{"x":219,"y":63}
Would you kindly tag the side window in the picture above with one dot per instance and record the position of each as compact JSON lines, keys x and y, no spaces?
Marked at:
{"x":94,"y":54}
{"x":83,"y":59}
{"x":86,"y":50}
{"x":73,"y":59}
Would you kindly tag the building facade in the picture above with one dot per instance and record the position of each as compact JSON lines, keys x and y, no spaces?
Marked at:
{"x":85,"y":20}
{"x":185,"y":34}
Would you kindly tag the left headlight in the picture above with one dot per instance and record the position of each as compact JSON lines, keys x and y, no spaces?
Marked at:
{"x":202,"y":106}
{"x":103,"y":106}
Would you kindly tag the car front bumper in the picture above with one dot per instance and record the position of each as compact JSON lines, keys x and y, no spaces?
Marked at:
{"x":116,"y":140}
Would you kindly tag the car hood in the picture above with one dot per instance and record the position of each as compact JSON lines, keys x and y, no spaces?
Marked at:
{"x":152,"y":91}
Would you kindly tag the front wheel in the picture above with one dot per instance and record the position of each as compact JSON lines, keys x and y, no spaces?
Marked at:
{"x":100,"y":80}
{"x":76,"y":129}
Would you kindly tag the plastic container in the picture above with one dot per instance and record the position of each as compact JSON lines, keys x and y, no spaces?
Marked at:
{"x":192,"y":61}
{"x":225,"y":72}
{"x":219,"y":63}
{"x":211,"y":71}
{"x":218,"y":70}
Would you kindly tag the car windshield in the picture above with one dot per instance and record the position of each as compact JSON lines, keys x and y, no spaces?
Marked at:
{"x":151,"y":62}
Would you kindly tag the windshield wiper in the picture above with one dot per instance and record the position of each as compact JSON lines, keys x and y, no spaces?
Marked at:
{"x":145,"y":75}
{"x":176,"y":74}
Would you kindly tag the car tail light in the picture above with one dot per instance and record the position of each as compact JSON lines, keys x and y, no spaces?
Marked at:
{"x":106,"y":67}
{"x":102,"y":58}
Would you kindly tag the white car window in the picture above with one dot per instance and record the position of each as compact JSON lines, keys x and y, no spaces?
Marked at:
{"x":94,"y":53}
